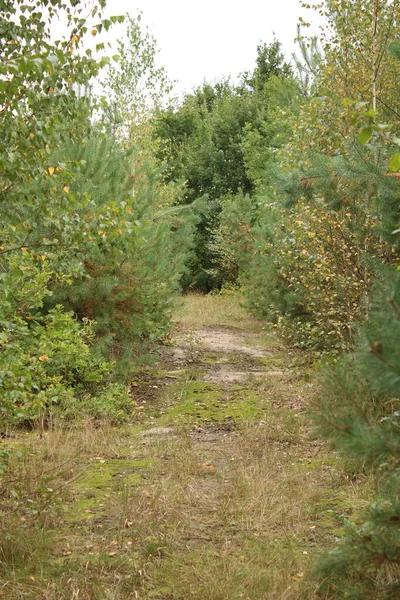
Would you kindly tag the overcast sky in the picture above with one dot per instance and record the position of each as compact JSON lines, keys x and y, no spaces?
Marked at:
{"x":213,"y":38}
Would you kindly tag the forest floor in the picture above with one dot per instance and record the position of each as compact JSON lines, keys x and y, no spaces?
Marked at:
{"x":217,"y":489}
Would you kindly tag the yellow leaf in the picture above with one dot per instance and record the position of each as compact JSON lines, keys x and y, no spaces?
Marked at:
{"x":51,"y":170}
{"x":66,"y":189}
{"x":112,"y":553}
{"x":94,"y":32}
{"x":44,"y":357}
{"x":51,"y":89}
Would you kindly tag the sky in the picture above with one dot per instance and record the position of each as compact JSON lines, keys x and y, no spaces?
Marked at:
{"x":212,"y":38}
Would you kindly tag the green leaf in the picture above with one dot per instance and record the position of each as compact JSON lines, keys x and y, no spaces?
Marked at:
{"x":394,"y":163}
{"x":365,"y":135}
{"x":117,"y":19}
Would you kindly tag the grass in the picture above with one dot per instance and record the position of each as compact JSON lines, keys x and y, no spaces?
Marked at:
{"x":235,"y":501}
{"x":201,"y":311}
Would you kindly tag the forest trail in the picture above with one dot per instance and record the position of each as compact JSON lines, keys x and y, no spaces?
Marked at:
{"x":216,"y":491}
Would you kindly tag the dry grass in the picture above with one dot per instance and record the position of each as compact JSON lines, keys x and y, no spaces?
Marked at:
{"x":197,"y":311}
{"x":101,"y":513}
{"x":239,"y":517}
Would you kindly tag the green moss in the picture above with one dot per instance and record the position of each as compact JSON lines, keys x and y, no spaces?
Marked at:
{"x":274,"y":362}
{"x":102,"y":479}
{"x":201,"y":402}
{"x":216,"y":358}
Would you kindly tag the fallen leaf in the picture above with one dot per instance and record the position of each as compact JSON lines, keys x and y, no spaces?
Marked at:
{"x":128,"y":523}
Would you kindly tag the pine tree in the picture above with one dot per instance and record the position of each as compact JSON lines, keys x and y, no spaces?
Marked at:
{"x":133,"y":270}
{"x":359,"y":412}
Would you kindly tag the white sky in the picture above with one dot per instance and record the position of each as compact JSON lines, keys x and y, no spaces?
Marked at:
{"x":212,"y":38}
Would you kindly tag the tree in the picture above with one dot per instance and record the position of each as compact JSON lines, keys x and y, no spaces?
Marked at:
{"x":135,"y":86}
{"x":359,"y":413}
{"x":83,"y":225}
{"x":131,"y":270}
{"x":199,"y":145}
{"x":355,"y":64}
{"x":269,"y":62}
{"x":212,"y":143}
{"x":325,"y":195}
{"x":44,"y":223}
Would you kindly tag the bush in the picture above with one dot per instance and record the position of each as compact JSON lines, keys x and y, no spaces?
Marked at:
{"x":46,"y":361}
{"x":307,"y":268}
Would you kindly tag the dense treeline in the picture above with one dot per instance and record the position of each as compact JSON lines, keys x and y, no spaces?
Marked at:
{"x":285,"y":184}
{"x":214,"y":143}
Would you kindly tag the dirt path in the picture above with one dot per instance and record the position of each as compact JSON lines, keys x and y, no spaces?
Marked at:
{"x":216,"y":491}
